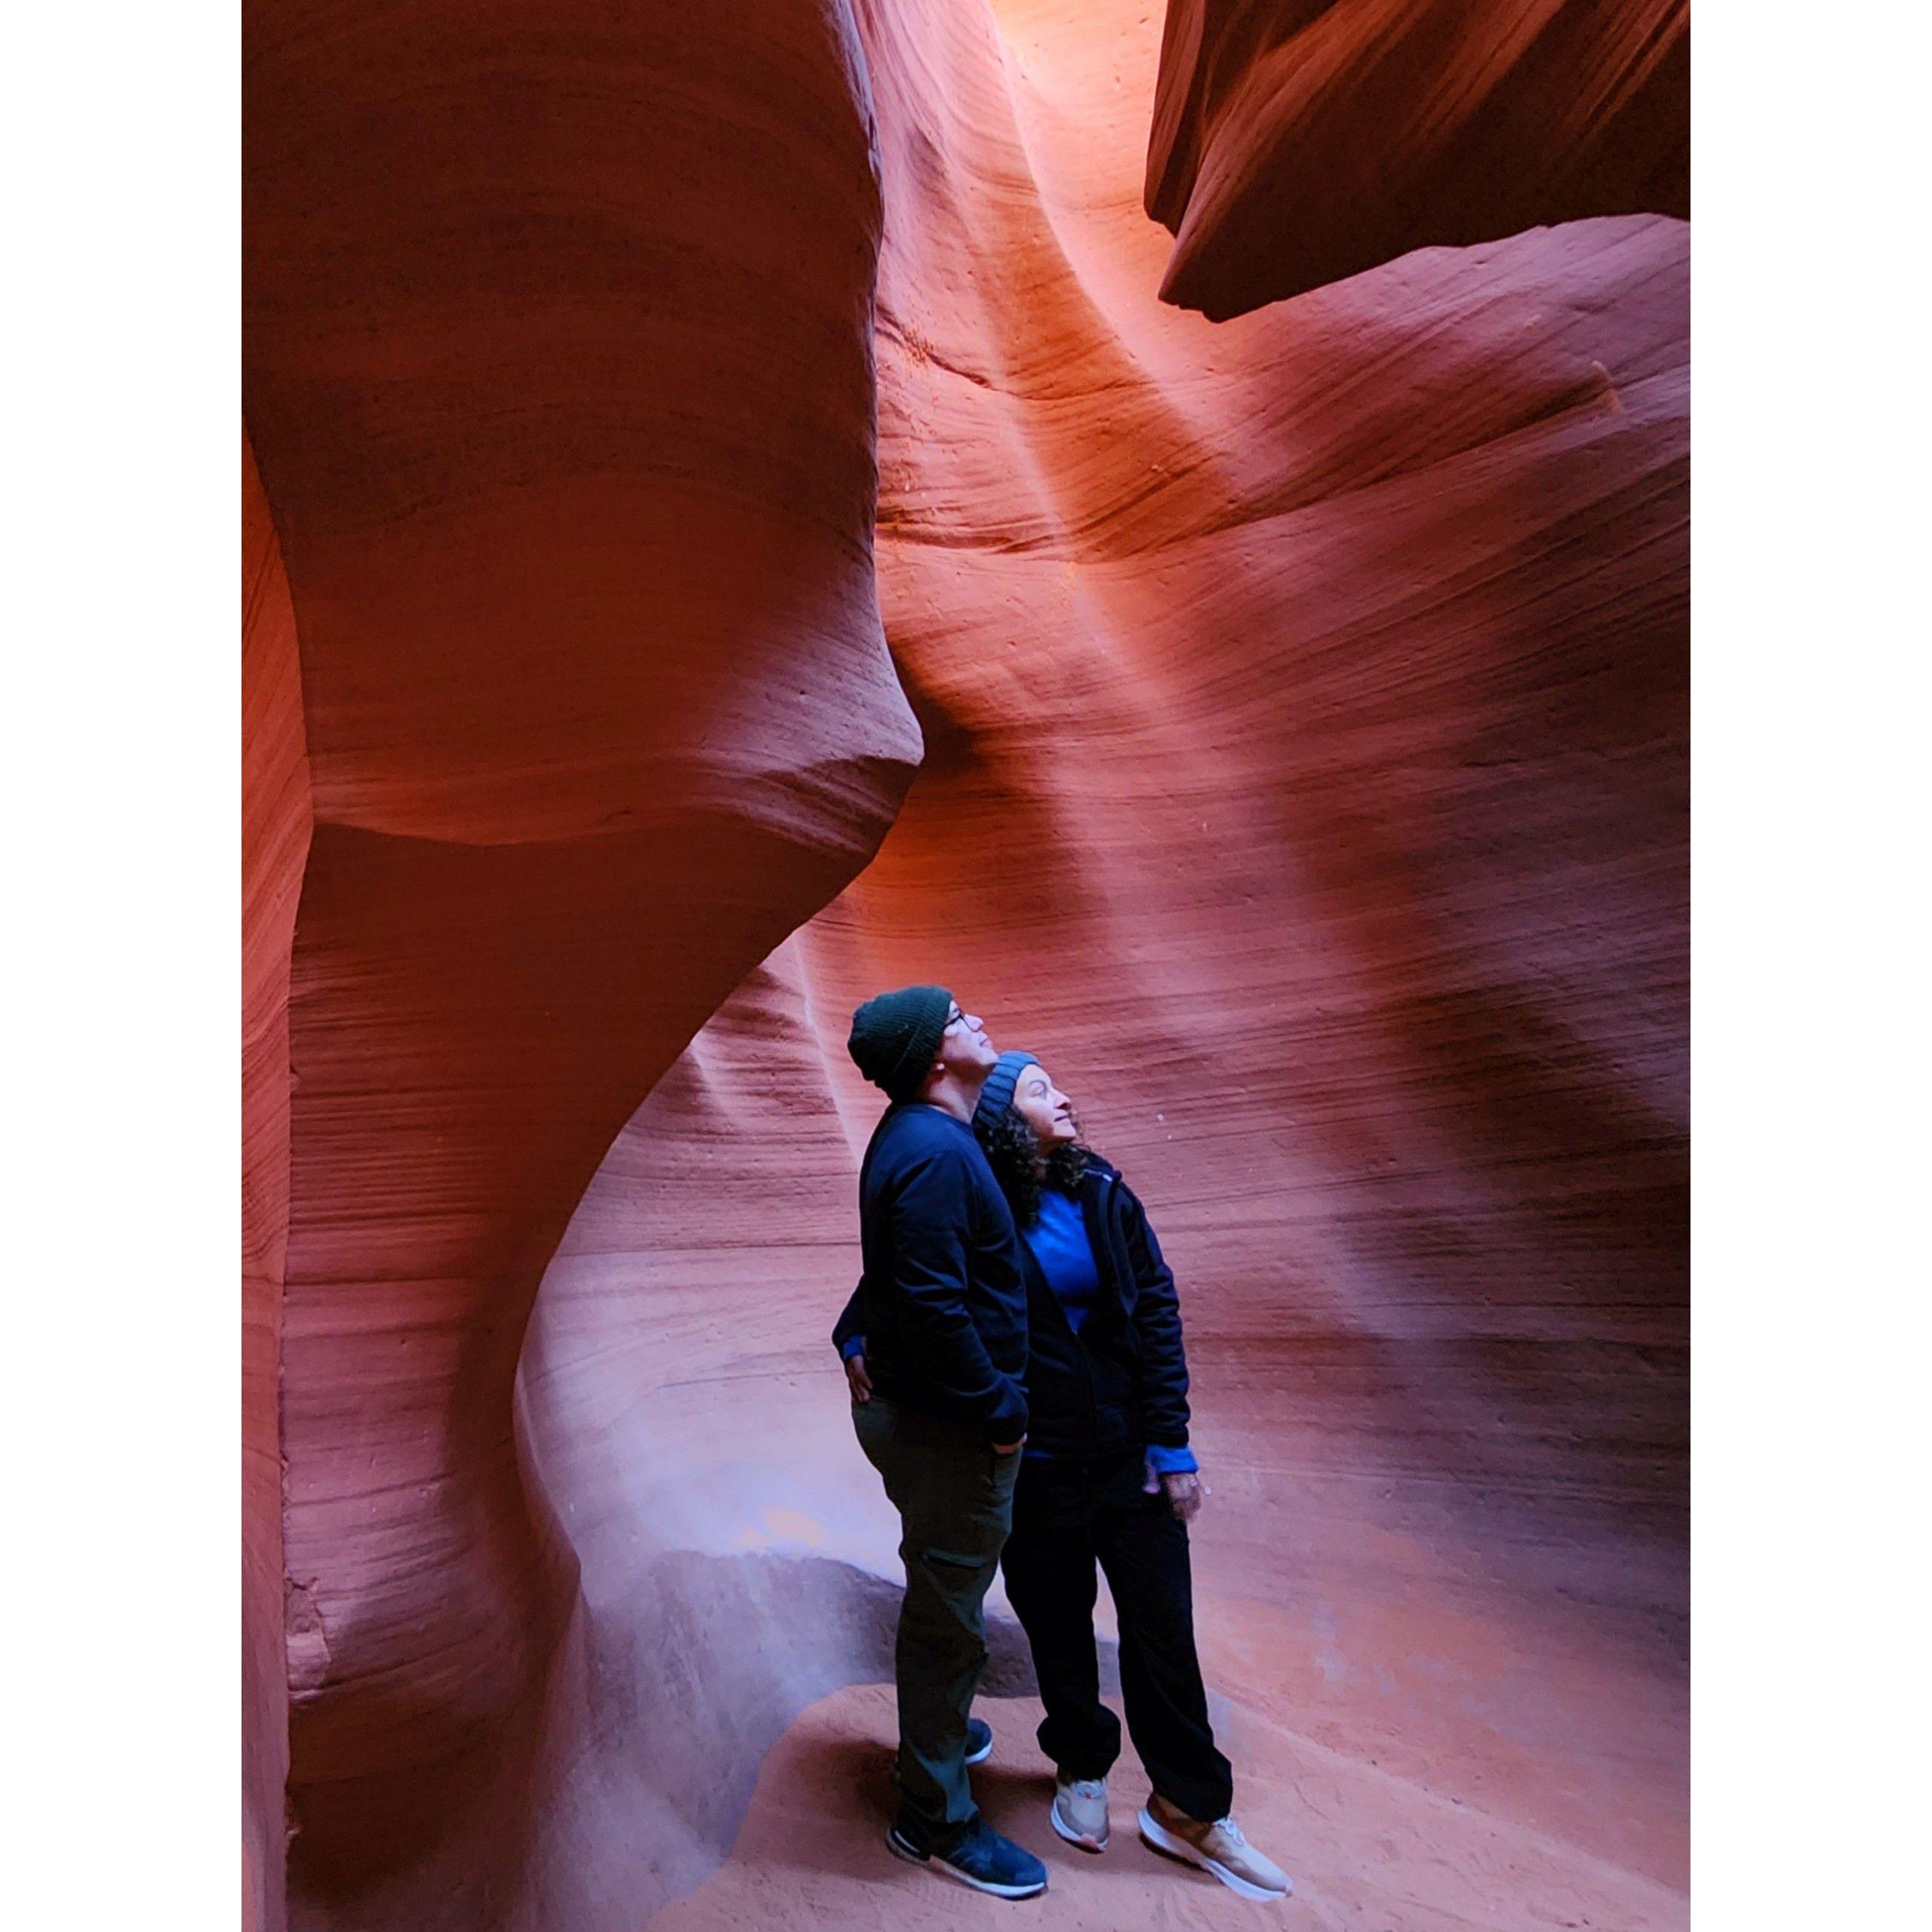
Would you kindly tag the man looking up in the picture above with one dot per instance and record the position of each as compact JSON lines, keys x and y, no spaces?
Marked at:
{"x":942,"y":1305}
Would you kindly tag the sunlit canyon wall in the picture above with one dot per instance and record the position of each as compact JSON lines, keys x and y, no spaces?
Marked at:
{"x":1300,"y":769}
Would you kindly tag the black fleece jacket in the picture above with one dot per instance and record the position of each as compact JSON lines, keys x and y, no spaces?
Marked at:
{"x":942,"y":1302}
{"x":1123,"y":1379}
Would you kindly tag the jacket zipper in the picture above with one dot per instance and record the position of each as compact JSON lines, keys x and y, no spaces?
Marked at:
{"x":1100,"y":1224}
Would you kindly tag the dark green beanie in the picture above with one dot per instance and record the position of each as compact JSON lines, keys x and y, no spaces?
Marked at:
{"x":895,"y":1037}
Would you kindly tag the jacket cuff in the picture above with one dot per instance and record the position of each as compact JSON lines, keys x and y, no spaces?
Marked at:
{"x":1008,"y":1421}
{"x":1167,"y":1461}
{"x":853,"y":1345}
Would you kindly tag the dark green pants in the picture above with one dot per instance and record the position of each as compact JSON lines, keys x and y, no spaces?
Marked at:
{"x":955,"y":1500}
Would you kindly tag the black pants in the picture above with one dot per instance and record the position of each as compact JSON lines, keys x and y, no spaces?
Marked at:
{"x":1068,"y":1515}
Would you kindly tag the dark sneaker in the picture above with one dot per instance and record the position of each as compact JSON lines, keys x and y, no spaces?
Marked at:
{"x":978,"y":1741}
{"x":982,"y":1859}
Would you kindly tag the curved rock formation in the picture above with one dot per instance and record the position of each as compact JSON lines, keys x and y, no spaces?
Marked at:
{"x":1305,"y":702}
{"x":275,"y":826}
{"x":1298,"y":142}
{"x":1304,"y":706}
{"x":559,"y":376}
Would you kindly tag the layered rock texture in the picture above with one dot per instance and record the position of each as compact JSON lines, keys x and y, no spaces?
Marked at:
{"x":276,"y":824}
{"x":559,"y":376}
{"x":1296,"y":142}
{"x":1302,"y":774}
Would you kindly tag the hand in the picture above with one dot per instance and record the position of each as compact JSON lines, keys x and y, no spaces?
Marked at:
{"x":1009,"y":1448}
{"x":861,"y":1383}
{"x":1185,"y":1493}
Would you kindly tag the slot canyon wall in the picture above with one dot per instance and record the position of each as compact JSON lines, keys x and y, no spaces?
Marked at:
{"x":276,"y":824}
{"x":1488,"y":118}
{"x":558,"y":373}
{"x":1303,"y":701}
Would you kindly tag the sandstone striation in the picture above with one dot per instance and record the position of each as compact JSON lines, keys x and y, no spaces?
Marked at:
{"x":1304,"y":710}
{"x":559,"y":376}
{"x":275,"y":827}
{"x":1298,"y":142}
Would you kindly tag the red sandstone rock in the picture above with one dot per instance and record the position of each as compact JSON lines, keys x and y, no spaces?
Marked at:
{"x":1296,"y":142}
{"x":559,"y":376}
{"x":1305,"y":711}
{"x":275,"y":827}
{"x":1305,"y":701}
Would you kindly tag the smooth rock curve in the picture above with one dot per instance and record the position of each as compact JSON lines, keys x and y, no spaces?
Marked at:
{"x":558,"y":373}
{"x":1305,"y":702}
{"x":1296,"y":142}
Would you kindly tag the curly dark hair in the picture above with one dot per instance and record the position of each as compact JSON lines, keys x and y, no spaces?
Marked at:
{"x":1024,"y":1169}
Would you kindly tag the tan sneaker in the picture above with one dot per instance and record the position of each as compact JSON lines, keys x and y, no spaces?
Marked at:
{"x":1219,"y":1848}
{"x":1079,"y":1812}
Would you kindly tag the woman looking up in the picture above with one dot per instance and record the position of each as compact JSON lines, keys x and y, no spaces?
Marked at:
{"x":1107,"y":1482}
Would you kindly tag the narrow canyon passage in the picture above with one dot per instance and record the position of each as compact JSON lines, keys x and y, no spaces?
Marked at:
{"x":1304,"y":706}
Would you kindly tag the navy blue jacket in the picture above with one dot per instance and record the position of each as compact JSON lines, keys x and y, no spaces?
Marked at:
{"x":1123,"y":1379}
{"x":942,"y":1302}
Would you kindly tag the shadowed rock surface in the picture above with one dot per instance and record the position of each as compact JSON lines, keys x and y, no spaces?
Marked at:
{"x":1304,"y":707}
{"x":275,"y":827}
{"x":1296,"y":142}
{"x":559,"y":378}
